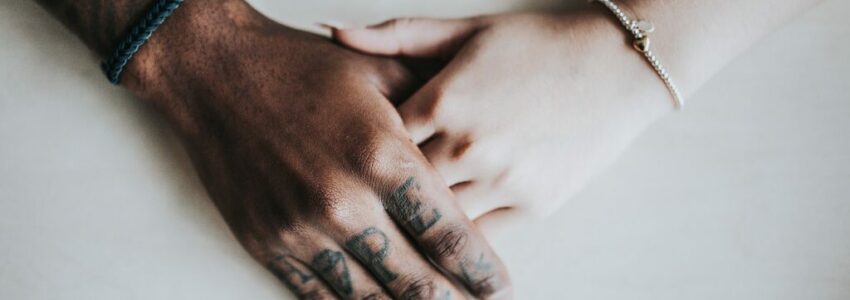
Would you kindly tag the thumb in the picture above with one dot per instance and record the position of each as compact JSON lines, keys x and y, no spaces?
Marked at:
{"x":411,"y":37}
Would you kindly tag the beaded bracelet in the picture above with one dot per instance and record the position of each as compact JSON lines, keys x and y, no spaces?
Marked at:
{"x":640,"y":29}
{"x":113,"y":67}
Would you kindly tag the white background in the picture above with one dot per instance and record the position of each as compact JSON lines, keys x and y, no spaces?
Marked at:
{"x":745,"y":195}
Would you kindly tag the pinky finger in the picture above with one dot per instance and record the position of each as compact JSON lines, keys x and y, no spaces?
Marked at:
{"x":299,"y":278}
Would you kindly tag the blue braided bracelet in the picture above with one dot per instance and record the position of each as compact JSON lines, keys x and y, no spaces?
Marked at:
{"x":114,"y":66}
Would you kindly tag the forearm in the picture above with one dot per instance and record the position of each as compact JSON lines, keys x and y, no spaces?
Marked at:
{"x":696,"y":38}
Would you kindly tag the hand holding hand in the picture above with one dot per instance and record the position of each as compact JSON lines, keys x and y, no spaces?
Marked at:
{"x":528,"y":107}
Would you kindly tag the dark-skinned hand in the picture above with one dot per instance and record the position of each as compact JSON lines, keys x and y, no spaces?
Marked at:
{"x":308,"y":161}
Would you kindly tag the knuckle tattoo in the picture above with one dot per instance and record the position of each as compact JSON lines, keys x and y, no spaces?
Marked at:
{"x":450,"y":243}
{"x":332,"y":267}
{"x":420,"y":288}
{"x":406,"y":206}
{"x":371,"y":247}
{"x":484,"y":286}
{"x":376,"y":296}
{"x":294,"y":275}
{"x":479,"y":277}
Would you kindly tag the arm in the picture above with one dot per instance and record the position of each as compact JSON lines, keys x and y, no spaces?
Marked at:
{"x":530,"y":107}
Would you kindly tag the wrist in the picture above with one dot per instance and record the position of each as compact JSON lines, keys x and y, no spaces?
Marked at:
{"x":698,"y":38}
{"x":196,"y":56}
{"x":679,"y":40}
{"x":184,"y":47}
{"x":625,"y":79}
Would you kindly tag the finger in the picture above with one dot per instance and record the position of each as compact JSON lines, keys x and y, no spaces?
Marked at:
{"x":396,"y":82}
{"x":299,"y":278}
{"x":418,"y":201}
{"x":405,"y":272}
{"x":423,"y":205}
{"x":477,"y":198}
{"x":330,"y":264}
{"x":444,"y":155}
{"x":418,"y":116}
{"x":431,"y":109}
{"x":375,"y":241}
{"x":347,"y":277}
{"x":412,"y":37}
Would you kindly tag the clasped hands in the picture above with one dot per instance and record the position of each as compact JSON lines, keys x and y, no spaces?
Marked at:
{"x":350,"y":174}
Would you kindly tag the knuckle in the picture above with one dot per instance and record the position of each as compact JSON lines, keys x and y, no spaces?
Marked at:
{"x":479,"y":154}
{"x":419,"y":288}
{"x":504,"y":178}
{"x":343,"y":210}
{"x":430,"y":108}
{"x":338,"y":217}
{"x":449,"y":244}
{"x":331,"y":209}
{"x":463,"y":147}
{"x":377,"y":154}
{"x":376,"y":296}
{"x":434,"y":107}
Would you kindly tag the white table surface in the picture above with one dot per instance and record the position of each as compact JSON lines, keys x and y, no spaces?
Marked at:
{"x":745,"y":195}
